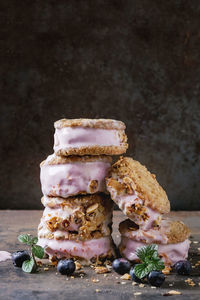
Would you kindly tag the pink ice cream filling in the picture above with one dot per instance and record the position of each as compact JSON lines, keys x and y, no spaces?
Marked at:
{"x":126,"y":201}
{"x":170,"y":253}
{"x":69,"y":248}
{"x":75,"y":137}
{"x":70,"y":179}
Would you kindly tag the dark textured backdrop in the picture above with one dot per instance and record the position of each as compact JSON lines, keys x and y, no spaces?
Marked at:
{"x":137,"y":61}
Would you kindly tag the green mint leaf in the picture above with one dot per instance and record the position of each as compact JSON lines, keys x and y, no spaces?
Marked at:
{"x":158,"y":265}
{"x":150,"y":260}
{"x":25,"y":239}
{"x":155,"y":256}
{"x":34,"y":240}
{"x":146,"y":253}
{"x":29,"y":266}
{"x":141,"y":270}
{"x":38,"y":251}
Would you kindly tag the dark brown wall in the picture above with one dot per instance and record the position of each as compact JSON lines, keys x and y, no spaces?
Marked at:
{"x":136,"y":61}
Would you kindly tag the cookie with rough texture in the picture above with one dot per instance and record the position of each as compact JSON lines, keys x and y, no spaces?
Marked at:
{"x":60,"y":160}
{"x":137,"y":192}
{"x":90,"y":123}
{"x":89,"y":137}
{"x":171,"y":238}
{"x":177,"y":232}
{"x":72,"y":175}
{"x":76,"y":218}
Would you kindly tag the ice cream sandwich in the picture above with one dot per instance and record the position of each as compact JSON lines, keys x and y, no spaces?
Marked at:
{"x":89,"y":137}
{"x":78,"y":227}
{"x":137,"y":192}
{"x":171,"y":237}
{"x":72,"y":175}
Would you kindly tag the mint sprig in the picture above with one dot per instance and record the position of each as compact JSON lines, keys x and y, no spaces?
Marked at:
{"x":150,"y":261}
{"x":27,"y":239}
{"x":30,"y":266}
{"x":38,"y":251}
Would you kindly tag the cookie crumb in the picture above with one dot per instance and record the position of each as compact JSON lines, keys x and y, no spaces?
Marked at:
{"x":46,"y":269}
{"x":134,"y":283}
{"x":95,"y":280}
{"x":141,"y":285}
{"x":101,"y":270}
{"x":166,"y":270}
{"x":137,"y":294}
{"x":109,"y":267}
{"x":126,"y":276}
{"x":97,"y":290}
{"x":197,"y":264}
{"x":78,"y":266}
{"x":171,"y":293}
{"x":190,"y":282}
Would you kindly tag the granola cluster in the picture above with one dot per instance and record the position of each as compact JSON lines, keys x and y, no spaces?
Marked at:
{"x":137,"y":209}
{"x":79,"y":219}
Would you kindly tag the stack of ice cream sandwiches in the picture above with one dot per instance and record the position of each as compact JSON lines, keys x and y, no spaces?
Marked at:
{"x":77,"y":219}
{"x":78,"y":182}
{"x":138,"y":194}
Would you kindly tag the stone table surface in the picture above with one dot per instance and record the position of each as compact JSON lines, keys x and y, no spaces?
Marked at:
{"x":15,"y":284}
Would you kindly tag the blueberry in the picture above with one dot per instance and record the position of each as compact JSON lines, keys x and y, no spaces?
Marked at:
{"x":133,"y":276}
{"x":183,"y":267}
{"x":121,"y":266}
{"x":19,"y":257}
{"x":66,"y":267}
{"x":156,"y":278}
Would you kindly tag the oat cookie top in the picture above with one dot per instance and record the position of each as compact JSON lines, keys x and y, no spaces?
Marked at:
{"x":58,"y":160}
{"x":79,"y":200}
{"x":177,"y":232}
{"x":91,"y":123}
{"x":128,"y":175}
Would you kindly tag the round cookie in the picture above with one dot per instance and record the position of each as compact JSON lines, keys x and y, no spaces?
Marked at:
{"x":137,"y":193}
{"x":89,"y":137}
{"x":171,"y":238}
{"x":67,"y":176}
